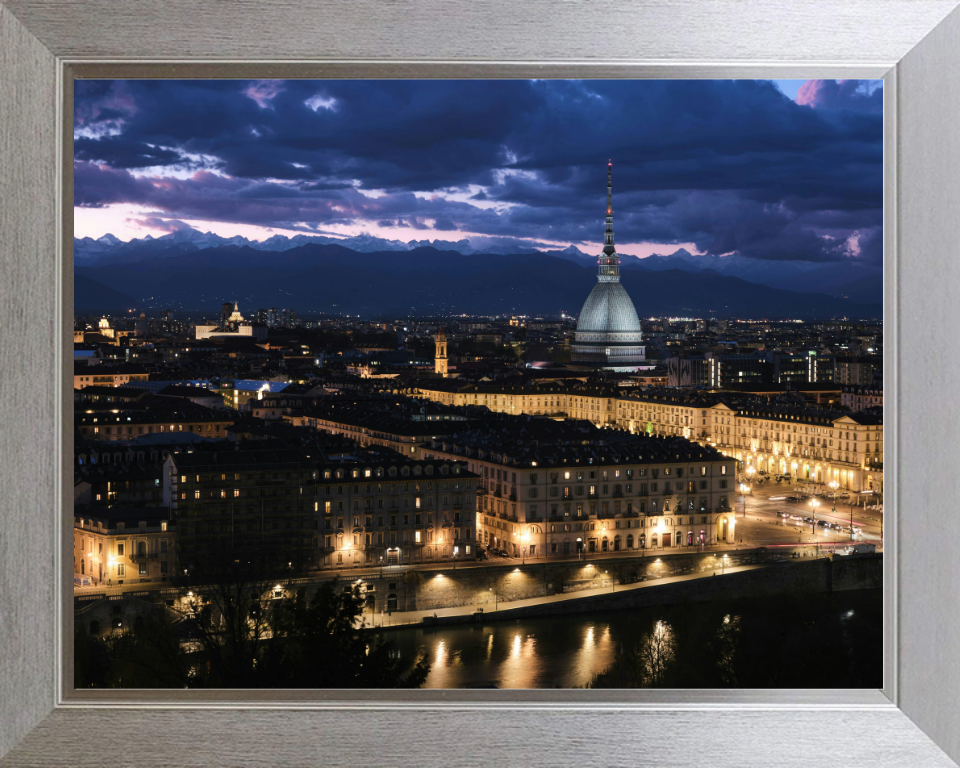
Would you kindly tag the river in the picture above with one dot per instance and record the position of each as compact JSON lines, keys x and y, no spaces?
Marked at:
{"x":810,"y":641}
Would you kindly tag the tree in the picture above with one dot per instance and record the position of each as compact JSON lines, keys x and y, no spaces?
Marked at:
{"x":91,"y":660}
{"x":229,"y":605}
{"x":320,"y":642}
{"x":645,"y":663}
{"x":234,"y":630}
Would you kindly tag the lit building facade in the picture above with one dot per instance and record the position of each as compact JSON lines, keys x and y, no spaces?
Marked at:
{"x":115,"y":546}
{"x":808,"y":443}
{"x":648,"y":494}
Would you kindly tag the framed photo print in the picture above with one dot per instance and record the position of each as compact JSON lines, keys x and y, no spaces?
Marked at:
{"x":384,"y":385}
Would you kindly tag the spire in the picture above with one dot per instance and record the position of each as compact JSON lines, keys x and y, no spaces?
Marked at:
{"x":609,"y":261}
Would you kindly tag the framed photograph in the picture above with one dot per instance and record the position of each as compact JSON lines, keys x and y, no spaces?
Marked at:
{"x":441,"y":398}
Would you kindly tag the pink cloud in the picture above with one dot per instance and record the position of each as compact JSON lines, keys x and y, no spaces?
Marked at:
{"x":840,"y":94}
{"x":263,"y":91}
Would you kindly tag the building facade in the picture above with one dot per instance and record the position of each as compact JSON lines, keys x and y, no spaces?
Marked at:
{"x":385,"y":511}
{"x":115,"y":545}
{"x":808,"y":443}
{"x":645,"y":494}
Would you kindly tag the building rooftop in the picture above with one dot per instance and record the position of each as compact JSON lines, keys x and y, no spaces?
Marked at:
{"x":527,"y":442}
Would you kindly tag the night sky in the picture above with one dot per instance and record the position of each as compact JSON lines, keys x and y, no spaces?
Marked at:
{"x":785,"y":170}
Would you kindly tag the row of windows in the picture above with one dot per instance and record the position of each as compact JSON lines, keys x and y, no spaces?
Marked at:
{"x":150,"y":429}
{"x":654,"y":507}
{"x":678,"y":486}
{"x":379,"y":538}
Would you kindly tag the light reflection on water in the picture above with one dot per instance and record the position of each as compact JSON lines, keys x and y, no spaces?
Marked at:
{"x":531,"y":654}
{"x":561,"y":652}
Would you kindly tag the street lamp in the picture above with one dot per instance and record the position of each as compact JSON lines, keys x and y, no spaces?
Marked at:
{"x":612,"y":589}
{"x":523,"y":551}
{"x":813,"y":505}
{"x":743,"y":495}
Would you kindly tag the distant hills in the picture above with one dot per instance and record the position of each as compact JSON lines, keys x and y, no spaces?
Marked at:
{"x":92,"y":297}
{"x":196,"y":271}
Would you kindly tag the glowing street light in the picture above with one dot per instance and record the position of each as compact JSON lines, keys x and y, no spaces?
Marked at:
{"x":813,"y":505}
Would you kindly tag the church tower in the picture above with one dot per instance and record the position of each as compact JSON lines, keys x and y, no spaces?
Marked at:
{"x":440,"y":359}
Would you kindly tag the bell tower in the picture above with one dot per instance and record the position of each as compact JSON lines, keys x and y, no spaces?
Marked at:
{"x":440,"y":358}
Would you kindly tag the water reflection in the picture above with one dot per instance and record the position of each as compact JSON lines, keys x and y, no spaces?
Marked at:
{"x":566,"y":652}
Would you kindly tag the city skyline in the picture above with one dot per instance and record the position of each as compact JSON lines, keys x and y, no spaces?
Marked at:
{"x":775,"y":170}
{"x":353,"y":449}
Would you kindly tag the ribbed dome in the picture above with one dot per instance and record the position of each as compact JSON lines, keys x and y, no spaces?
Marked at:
{"x":608,"y":309}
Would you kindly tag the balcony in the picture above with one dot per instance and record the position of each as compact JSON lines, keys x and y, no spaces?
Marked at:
{"x":143,"y":557}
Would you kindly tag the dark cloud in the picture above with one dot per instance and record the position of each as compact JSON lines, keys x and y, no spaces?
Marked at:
{"x":120,"y":153}
{"x":728,"y":165}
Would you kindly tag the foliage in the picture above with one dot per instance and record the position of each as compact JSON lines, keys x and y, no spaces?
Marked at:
{"x":232,"y":632}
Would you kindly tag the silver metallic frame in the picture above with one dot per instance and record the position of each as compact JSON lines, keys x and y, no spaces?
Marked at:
{"x":44,"y":45}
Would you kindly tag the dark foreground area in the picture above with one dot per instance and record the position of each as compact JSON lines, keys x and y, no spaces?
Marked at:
{"x":802,"y":641}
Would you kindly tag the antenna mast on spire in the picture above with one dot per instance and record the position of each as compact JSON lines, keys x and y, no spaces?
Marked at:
{"x":609,"y":261}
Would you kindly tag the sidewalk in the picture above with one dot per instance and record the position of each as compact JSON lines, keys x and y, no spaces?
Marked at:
{"x":465,"y":612}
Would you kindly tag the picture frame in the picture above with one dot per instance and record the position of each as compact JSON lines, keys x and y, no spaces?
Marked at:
{"x":911,"y":44}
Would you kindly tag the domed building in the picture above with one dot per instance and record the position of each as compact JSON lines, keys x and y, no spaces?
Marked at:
{"x":608,"y":331}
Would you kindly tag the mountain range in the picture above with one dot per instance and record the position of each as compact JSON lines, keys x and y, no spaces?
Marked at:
{"x":110,"y":249}
{"x":844,"y":279}
{"x":334,"y":279}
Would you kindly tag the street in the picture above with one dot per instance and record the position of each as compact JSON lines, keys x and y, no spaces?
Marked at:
{"x":766,"y":501}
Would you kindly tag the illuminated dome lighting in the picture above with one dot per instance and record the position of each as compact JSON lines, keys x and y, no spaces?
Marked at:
{"x":608,"y":330}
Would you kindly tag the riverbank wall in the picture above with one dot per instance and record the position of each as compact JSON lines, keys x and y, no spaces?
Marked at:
{"x":494,"y":588}
{"x":789,"y":577}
